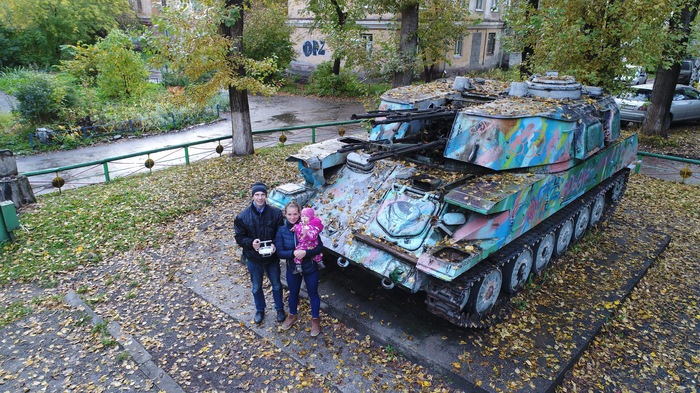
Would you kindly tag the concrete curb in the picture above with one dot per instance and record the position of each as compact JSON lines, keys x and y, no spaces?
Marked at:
{"x":140,"y":355}
{"x":631,"y":284}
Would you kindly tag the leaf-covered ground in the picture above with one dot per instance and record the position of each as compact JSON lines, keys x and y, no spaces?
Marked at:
{"x":683,"y":141}
{"x":131,"y":249}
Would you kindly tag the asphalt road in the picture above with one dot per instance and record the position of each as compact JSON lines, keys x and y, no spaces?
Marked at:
{"x":266,"y":113}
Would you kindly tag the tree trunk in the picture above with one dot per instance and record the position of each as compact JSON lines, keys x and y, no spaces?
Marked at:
{"x":525,"y":66}
{"x":18,"y":190}
{"x":342,"y":17}
{"x":241,"y":131}
{"x":408,"y":45}
{"x":240,"y":123}
{"x":428,"y":73}
{"x":336,"y":66}
{"x":658,"y":118}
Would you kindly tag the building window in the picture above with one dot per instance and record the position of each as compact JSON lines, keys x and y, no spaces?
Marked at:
{"x":479,"y":5}
{"x":491,"y":44}
{"x":367,"y":38}
{"x":164,"y":3}
{"x":139,"y":6}
{"x":458,"y":47}
{"x":494,"y":6}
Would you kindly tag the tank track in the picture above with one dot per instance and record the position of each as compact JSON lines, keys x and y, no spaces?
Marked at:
{"x":446,"y":299}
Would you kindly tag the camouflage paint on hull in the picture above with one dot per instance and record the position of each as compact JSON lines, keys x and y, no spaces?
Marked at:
{"x":507,"y":165}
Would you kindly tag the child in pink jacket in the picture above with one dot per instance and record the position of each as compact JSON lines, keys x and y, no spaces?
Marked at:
{"x":307,"y":231}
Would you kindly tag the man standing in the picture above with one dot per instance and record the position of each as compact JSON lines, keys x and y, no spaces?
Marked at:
{"x":255,"y":226}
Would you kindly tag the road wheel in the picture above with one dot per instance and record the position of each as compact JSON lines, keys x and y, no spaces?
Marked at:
{"x":543,"y":253}
{"x":564,"y":236}
{"x":617,"y":190}
{"x":582,"y":219}
{"x":597,"y":210}
{"x":485,"y":292}
{"x":516,"y":271}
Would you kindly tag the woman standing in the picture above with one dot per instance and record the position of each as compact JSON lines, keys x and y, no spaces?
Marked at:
{"x":285,"y":243}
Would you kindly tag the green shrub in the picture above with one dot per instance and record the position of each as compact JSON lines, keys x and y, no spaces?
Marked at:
{"x":172,"y":78}
{"x":12,"y":79}
{"x":323,"y":82}
{"x":43,"y":98}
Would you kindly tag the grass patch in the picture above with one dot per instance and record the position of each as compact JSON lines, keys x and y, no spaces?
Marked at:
{"x":13,"y":312}
{"x":657,"y":141}
{"x":86,"y":225}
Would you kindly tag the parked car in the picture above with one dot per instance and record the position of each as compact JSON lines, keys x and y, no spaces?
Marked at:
{"x":633,"y":104}
{"x":636,"y":75}
{"x":686,"y":72}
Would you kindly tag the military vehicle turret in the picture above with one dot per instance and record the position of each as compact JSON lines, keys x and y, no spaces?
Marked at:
{"x":466,"y":187}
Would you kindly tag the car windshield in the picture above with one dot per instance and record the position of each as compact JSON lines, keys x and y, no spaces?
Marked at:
{"x":637,"y":95}
{"x":692,"y":94}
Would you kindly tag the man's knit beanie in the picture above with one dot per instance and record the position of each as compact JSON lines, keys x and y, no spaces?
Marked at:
{"x":258,"y":187}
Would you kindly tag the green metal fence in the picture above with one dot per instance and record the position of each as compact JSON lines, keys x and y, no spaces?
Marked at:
{"x":666,"y":167}
{"x":84,"y":173}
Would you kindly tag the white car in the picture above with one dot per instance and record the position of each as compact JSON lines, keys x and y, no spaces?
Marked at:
{"x":633,"y":104}
{"x":636,"y":75}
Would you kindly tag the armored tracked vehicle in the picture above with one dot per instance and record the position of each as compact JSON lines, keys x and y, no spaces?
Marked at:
{"x":466,"y":187}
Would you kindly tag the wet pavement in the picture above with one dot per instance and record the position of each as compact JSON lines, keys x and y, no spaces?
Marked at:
{"x":670,"y":170}
{"x":266,"y":113}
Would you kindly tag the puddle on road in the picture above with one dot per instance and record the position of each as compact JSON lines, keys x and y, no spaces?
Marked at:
{"x":287,"y":117}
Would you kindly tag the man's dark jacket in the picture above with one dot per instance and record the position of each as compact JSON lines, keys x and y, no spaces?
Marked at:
{"x":251,"y":224}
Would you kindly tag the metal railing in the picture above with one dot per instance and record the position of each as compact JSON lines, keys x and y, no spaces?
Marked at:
{"x":106,"y":168}
{"x":664,"y":167}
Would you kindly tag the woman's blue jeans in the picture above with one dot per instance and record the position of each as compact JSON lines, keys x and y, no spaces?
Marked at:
{"x":310,"y":277}
{"x":273,"y":272}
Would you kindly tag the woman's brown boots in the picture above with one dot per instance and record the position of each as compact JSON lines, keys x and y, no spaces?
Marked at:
{"x":315,"y":327}
{"x":291,"y":319}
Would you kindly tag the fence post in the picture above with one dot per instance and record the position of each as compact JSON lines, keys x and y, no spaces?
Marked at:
{"x":172,"y":116}
{"x":31,"y":140}
{"x":187,"y":155}
{"x":82,"y":128}
{"x":217,"y":111}
{"x":105,"y":168}
{"x":313,"y":134}
{"x":131,"y":126}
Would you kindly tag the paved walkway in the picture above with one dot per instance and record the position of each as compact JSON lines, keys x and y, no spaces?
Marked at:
{"x":7,"y":102}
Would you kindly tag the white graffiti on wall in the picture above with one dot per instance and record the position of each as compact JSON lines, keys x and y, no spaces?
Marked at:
{"x":314,"y":48}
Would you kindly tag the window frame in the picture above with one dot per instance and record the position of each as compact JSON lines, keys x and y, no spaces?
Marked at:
{"x":369,"y":42}
{"x":458,"y":47}
{"x":490,"y":44}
